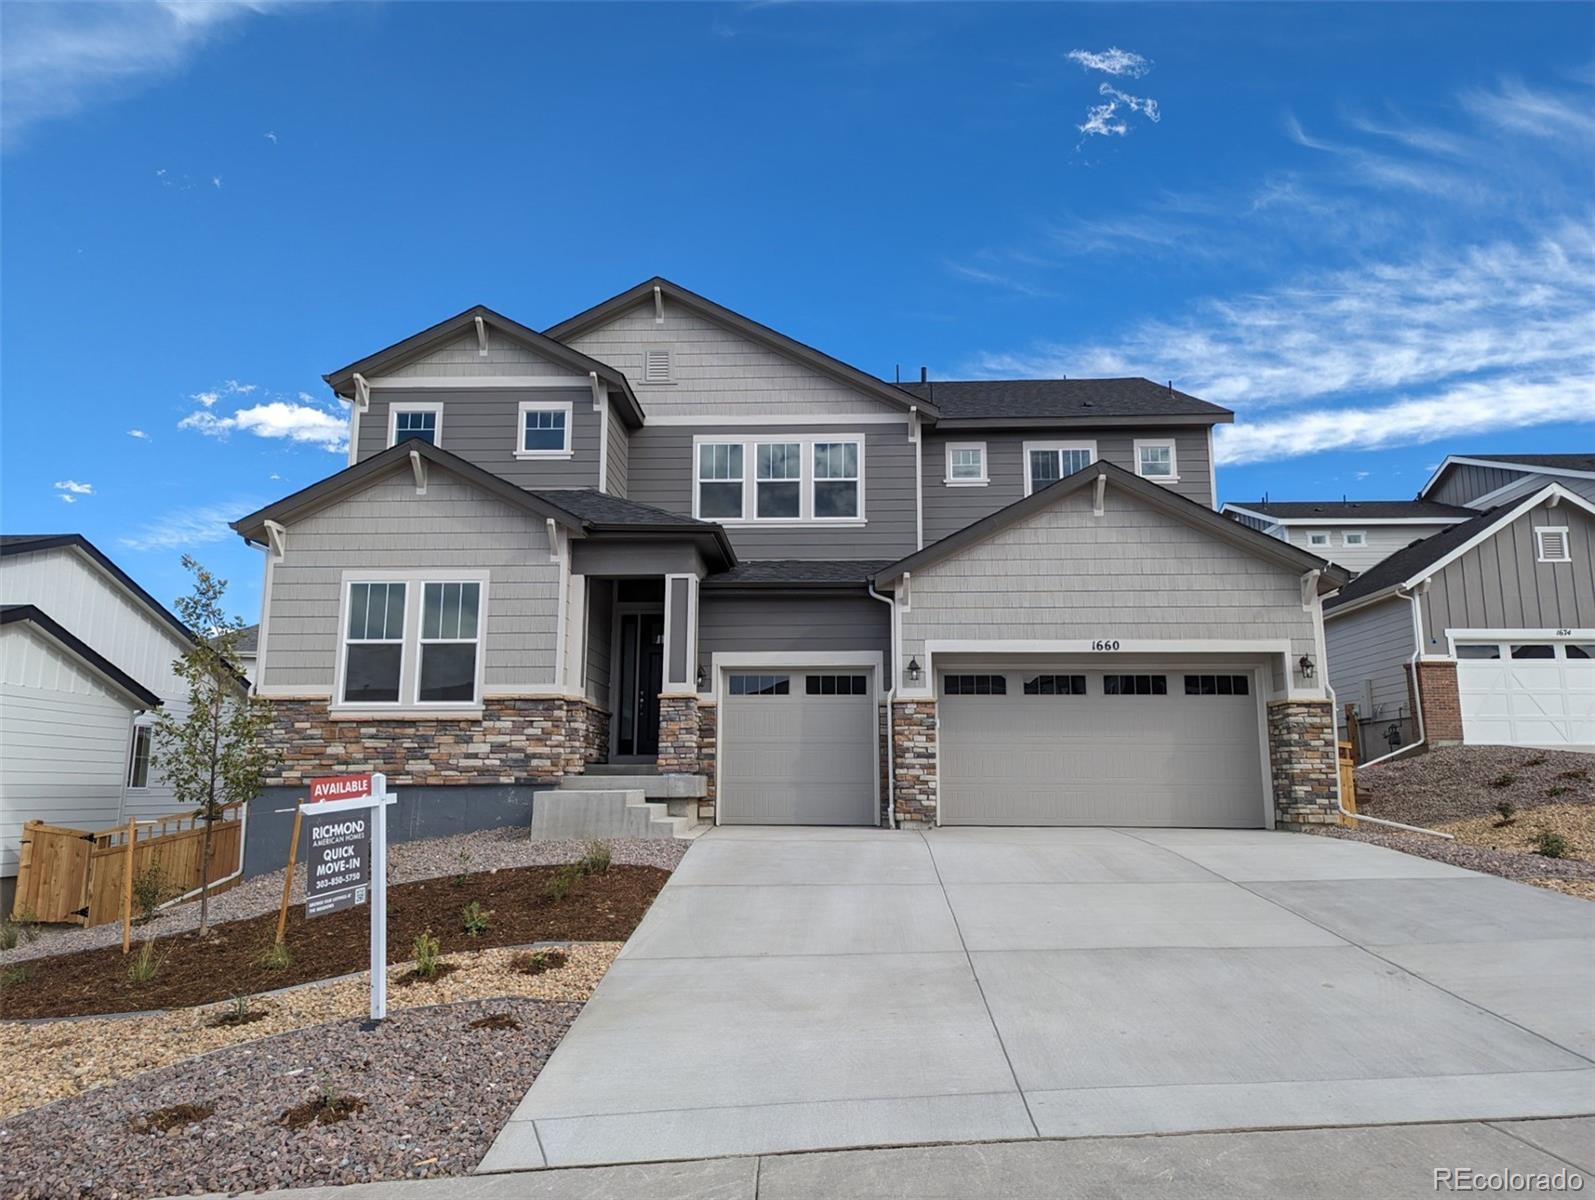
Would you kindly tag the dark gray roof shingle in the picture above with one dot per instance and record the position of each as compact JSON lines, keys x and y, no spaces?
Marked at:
{"x":800,"y":572}
{"x":1409,"y":560}
{"x":1351,"y":510}
{"x":1003,"y":399}
{"x":599,"y":508}
{"x":1568,"y":462}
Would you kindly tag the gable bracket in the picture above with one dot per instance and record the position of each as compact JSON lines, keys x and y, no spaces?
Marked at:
{"x":1309,"y":589}
{"x":553,"y":541}
{"x":481,"y":337}
{"x":659,"y":307}
{"x":1097,"y":506}
{"x":599,"y":391}
{"x":362,"y":393}
{"x":276,"y":539}
{"x":418,"y":467}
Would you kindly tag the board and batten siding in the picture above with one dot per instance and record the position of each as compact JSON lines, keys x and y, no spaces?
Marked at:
{"x":1500,"y":584}
{"x":64,"y":742}
{"x":715,"y":371}
{"x":387,"y":526}
{"x":663,"y":472}
{"x":483,"y":427}
{"x":777,"y":625}
{"x":1368,"y":653}
{"x":1134,"y":573}
{"x":1526,"y":485}
{"x":1464,"y":483}
{"x":1383,"y":541}
{"x":949,"y":508}
{"x":76,"y":594}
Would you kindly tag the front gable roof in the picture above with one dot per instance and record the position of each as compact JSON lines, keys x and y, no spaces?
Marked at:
{"x":1103,"y":474}
{"x":28,"y":543}
{"x":342,"y":380}
{"x":748,"y":328}
{"x":1408,"y":567}
{"x":1579,"y":466}
{"x":29,"y":614}
{"x":1351,"y":512}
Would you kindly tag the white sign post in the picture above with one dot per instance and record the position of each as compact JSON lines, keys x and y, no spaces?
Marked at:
{"x":367,"y":794}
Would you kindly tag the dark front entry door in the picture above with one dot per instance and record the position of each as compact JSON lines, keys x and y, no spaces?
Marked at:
{"x":641,"y":676}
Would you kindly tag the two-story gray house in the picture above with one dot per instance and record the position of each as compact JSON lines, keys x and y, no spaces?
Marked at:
{"x":660,"y":537}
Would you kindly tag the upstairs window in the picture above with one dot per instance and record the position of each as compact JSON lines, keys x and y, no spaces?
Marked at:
{"x":1318,"y":539}
{"x":720,"y":481}
{"x":1354,"y":537}
{"x":1050,"y":462}
{"x":778,"y":486}
{"x":1551,"y":541}
{"x":1155,"y":461}
{"x":966,"y":464}
{"x":836,"y":481}
{"x":544,"y":429}
{"x":423,"y":422}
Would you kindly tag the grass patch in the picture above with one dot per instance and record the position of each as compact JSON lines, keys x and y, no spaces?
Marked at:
{"x":536,"y":962}
{"x":1504,"y":780}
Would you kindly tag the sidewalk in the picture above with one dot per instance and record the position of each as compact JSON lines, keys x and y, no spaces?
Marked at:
{"x":1393,"y":1161}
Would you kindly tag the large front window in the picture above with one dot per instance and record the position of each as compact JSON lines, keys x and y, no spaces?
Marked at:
{"x":414,"y":641}
{"x":835,"y":480}
{"x":793,"y":479}
{"x":779,"y":483}
{"x":1050,"y":463}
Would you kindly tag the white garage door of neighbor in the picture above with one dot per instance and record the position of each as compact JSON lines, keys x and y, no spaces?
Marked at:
{"x":798,"y":748}
{"x":1063,"y":746}
{"x":1529,"y":693}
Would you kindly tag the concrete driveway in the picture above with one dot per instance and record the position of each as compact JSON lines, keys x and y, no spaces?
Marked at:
{"x":800,"y":989}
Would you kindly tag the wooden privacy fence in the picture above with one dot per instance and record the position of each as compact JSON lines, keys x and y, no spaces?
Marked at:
{"x":78,"y":876}
{"x":1348,"y":780}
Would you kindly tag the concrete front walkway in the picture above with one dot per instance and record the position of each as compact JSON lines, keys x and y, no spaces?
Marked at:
{"x":799,"y":989}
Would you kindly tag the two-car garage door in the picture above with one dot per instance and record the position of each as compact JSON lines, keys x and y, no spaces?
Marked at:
{"x":1068,"y":746}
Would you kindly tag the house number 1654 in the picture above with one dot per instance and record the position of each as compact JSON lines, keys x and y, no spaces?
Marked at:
{"x":1105,"y":645}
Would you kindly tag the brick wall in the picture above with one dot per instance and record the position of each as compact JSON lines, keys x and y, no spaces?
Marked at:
{"x":1442,"y":707}
{"x":1302,"y":759}
{"x":586,"y":736}
{"x":678,"y":734}
{"x":914,"y":750}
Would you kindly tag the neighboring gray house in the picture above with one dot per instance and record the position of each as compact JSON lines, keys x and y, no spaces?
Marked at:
{"x":1482,"y":633}
{"x":1481,"y":481}
{"x":1354,"y":533}
{"x":85,"y":660}
{"x":661,"y":537}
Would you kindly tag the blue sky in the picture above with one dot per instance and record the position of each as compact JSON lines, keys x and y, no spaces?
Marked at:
{"x":1366,"y":228}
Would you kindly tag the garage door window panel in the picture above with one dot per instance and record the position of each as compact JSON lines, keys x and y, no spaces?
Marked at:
{"x":1533,"y":650}
{"x":760,"y":685}
{"x":975,"y":685}
{"x":1217,"y":685}
{"x":836,"y":685}
{"x":1135,"y":685}
{"x":1055,"y":685}
{"x":1479,"y":650}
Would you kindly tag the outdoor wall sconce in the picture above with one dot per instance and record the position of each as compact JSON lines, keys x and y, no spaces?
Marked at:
{"x":703,"y":678}
{"x":913,"y":670}
{"x":1305,"y":666}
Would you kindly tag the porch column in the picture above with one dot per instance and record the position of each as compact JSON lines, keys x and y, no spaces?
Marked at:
{"x":678,"y":699}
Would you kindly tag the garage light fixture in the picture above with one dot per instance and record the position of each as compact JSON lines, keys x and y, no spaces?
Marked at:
{"x":913,"y":670}
{"x":703,"y":675}
{"x":1305,"y":666}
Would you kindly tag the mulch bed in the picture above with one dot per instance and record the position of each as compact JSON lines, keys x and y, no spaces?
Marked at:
{"x":602,"y":907}
{"x":422,"y":1096}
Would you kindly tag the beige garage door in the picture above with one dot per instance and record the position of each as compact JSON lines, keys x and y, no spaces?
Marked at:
{"x":798,"y":748}
{"x":1176,"y":746}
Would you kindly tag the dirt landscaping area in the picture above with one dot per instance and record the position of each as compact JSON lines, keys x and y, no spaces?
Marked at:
{"x":188,"y":971}
{"x":1527,"y":815}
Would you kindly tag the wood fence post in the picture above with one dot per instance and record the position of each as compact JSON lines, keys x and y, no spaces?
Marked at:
{"x":288,"y":877}
{"x":1353,"y":734}
{"x":127,"y":884}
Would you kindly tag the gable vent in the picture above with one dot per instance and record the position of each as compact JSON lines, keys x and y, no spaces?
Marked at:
{"x":656,"y":368}
{"x":1553,"y":545}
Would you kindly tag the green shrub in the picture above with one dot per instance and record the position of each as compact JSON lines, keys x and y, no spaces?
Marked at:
{"x":1508,"y":810}
{"x":27,"y":923}
{"x":1501,"y":781}
{"x":428,"y":955}
{"x":1580,"y":773}
{"x":1548,"y":844}
{"x":276,"y":957}
{"x":564,"y":879}
{"x":10,"y":935}
{"x":146,"y":963}
{"x":12,"y":976}
{"x":535,"y":962}
{"x":149,"y":889}
{"x":464,"y":872}
{"x":595,"y":861}
{"x":476,"y":919}
{"x":1536,"y":762}
{"x":1557,"y":790}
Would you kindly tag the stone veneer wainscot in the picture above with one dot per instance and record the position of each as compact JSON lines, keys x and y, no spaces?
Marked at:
{"x":1304,"y":761}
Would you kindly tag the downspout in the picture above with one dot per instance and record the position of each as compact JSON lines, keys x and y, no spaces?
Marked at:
{"x":891,"y":716}
{"x":1412,"y":665}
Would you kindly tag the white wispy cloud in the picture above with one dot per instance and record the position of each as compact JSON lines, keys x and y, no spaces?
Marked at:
{"x":281,"y":420}
{"x":1519,"y":109}
{"x":186,"y":527}
{"x":230,"y":388}
{"x":270,"y":137}
{"x":73,"y":487}
{"x":58,"y":59}
{"x":1112,"y":61}
{"x":138,"y":433}
{"x":66,"y":497}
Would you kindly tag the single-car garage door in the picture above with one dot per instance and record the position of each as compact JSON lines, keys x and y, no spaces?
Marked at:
{"x":798,"y":748}
{"x":1065,"y":746}
{"x":1527,"y":693}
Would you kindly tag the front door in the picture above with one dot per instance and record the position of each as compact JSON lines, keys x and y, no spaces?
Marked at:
{"x":639,"y":680}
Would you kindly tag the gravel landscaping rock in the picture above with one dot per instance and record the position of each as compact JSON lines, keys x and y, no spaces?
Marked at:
{"x":1525,"y":868}
{"x":486,"y":850}
{"x":1456,"y":782}
{"x":443,"y":1092}
{"x":49,"y":1060}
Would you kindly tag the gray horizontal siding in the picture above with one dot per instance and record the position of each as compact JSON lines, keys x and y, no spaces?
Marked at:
{"x":462,"y":357}
{"x":715,"y":371}
{"x":1368,"y":652}
{"x":949,"y":509}
{"x":619,"y":453}
{"x":1499,"y":584}
{"x":1132,"y":573}
{"x":387,"y":526}
{"x":662,"y":473}
{"x":781,"y":624}
{"x":483,"y":427}
{"x":600,"y":631}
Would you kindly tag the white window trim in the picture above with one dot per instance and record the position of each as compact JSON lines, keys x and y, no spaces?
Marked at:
{"x":431,"y":406}
{"x":750,"y":459}
{"x":1174,"y":459}
{"x":1539,"y":544}
{"x":1323,"y":533}
{"x":985,"y":465}
{"x":1360,"y":534}
{"x":526,"y":406}
{"x":1027,"y":447}
{"x":410,"y":643}
{"x":698,"y":480}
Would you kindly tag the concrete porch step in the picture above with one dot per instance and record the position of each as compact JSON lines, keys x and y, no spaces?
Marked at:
{"x":623,"y":768}
{"x":603,"y":813}
{"x":652,"y":785}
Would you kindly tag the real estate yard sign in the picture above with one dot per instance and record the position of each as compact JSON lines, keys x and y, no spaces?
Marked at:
{"x":348,"y":817}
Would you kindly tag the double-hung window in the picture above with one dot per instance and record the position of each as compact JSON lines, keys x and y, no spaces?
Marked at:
{"x":778,"y":483}
{"x":423,"y":422}
{"x":836,"y":481}
{"x":966,"y":464}
{"x":449,"y":624}
{"x":1154,"y":460}
{"x":1048,"y":462}
{"x":544,"y":429}
{"x":720,"y":481}
{"x":373,"y":656}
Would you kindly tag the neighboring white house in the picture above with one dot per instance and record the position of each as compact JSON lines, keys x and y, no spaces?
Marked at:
{"x":1354,"y":533}
{"x":85,"y":661}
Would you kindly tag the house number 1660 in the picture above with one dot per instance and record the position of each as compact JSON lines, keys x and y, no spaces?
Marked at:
{"x":1105,"y":645}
